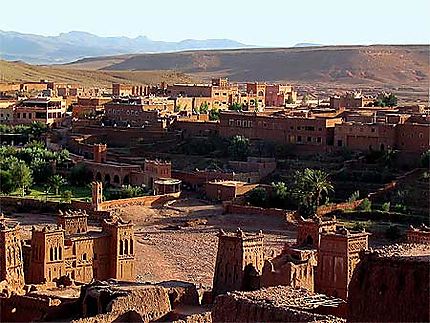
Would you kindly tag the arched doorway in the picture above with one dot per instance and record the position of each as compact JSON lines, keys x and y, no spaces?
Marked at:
{"x":126,"y":180}
{"x":116,"y":179}
{"x":107,"y":179}
{"x":98,"y":177}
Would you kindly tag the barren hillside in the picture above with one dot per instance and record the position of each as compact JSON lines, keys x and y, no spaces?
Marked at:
{"x":382,"y":64}
{"x":18,"y":72}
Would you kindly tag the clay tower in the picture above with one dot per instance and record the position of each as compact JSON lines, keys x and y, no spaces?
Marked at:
{"x":122,"y":248}
{"x":338,"y":256}
{"x":239,"y":262}
{"x":47,"y":255}
{"x":11,"y":261}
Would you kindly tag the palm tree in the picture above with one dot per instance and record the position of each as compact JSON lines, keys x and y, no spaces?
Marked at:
{"x":312,"y":185}
{"x":55,"y":182}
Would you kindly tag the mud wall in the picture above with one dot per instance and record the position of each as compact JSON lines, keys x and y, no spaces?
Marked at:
{"x":390,"y":290}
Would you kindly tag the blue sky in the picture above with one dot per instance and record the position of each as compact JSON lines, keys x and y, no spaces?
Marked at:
{"x":267,"y":22}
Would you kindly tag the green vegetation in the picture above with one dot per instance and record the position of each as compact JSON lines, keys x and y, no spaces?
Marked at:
{"x":204,"y":108}
{"x":21,"y":176}
{"x":239,"y":147}
{"x":236,"y":107}
{"x":124,"y":192}
{"x":309,"y":190}
{"x":354,"y":196}
{"x":55,"y":182}
{"x":214,"y":115}
{"x":35,"y":129}
{"x":385,"y":207}
{"x":365,"y":205}
{"x":385,"y":100}
{"x":258,"y":197}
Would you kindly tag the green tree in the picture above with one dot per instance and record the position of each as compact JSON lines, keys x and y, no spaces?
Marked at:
{"x":258,"y":197}
{"x":21,"y":176}
{"x":290,"y":100}
{"x":204,"y":108}
{"x":236,"y":107}
{"x":55,"y":182}
{"x":239,"y":147}
{"x":214,"y":115}
{"x":313,"y":185}
{"x":281,"y":194}
{"x":7,"y":185}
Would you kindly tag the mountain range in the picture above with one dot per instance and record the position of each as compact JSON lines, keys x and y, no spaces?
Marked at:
{"x":74,"y":45}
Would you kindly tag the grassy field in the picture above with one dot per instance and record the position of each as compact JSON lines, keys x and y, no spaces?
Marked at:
{"x":78,"y":193}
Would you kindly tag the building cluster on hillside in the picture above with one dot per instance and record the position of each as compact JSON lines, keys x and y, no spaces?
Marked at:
{"x":258,"y":111}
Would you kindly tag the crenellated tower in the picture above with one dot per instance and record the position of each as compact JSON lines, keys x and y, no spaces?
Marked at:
{"x":239,"y":262}
{"x":11,"y":261}
{"x":122,"y":246}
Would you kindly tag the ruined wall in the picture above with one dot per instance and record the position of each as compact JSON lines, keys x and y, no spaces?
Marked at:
{"x":390,"y":290}
{"x":149,"y":302}
{"x":230,"y":308}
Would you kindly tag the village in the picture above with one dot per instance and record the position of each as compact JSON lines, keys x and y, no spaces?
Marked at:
{"x":219,"y":201}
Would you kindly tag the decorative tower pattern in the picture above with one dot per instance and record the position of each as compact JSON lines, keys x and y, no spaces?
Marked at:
{"x":11,"y":261}
{"x":239,"y":262}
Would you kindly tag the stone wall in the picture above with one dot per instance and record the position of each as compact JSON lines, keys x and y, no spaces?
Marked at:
{"x":288,"y":216}
{"x":141,"y":200}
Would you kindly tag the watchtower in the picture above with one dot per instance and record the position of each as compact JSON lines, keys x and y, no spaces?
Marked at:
{"x":122,"y":248}
{"x":97,"y":194}
{"x":11,"y":261}
{"x":309,"y":230}
{"x":239,"y":262}
{"x":47,"y":255}
{"x":338,"y":256}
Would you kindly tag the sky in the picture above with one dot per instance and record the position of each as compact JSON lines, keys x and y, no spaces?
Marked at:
{"x":268,"y":22}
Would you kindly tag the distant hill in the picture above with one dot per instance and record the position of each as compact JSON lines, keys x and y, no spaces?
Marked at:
{"x":67,"y":47}
{"x":307,"y":45}
{"x":377,"y":64}
{"x":19,"y":72}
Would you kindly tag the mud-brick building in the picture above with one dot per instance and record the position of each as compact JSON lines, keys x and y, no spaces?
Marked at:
{"x":239,"y":262}
{"x":70,"y":249}
{"x":338,"y":255}
{"x":11,"y":264}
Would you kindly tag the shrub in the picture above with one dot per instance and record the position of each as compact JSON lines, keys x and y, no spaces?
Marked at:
{"x":258,"y":197}
{"x":400,"y":208}
{"x":386,"y":207}
{"x":366,"y":205}
{"x":354,"y":196}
